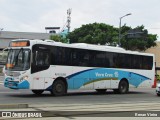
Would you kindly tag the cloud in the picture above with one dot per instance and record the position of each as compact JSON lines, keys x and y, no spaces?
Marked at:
{"x":33,"y":16}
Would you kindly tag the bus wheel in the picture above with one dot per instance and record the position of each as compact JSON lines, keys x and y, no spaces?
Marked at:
{"x":101,"y":90}
{"x":58,"y":88}
{"x":123,"y":87}
{"x":38,"y":92}
{"x":158,"y":94}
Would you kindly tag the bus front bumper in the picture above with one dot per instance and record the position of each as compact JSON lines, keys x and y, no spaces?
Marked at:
{"x":10,"y":83}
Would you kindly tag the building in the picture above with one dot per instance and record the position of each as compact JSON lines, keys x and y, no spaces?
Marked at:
{"x":156,"y":51}
{"x":7,"y":36}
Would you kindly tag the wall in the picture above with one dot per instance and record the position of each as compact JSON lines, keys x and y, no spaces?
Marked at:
{"x":156,"y":51}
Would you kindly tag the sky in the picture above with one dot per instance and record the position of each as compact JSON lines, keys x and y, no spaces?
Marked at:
{"x":35,"y":15}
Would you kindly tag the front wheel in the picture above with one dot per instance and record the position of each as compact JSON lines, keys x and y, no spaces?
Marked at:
{"x":38,"y":92}
{"x":59,"y":88}
{"x":123,"y":87}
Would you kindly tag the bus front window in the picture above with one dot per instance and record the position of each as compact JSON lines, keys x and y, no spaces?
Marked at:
{"x":18,"y":59}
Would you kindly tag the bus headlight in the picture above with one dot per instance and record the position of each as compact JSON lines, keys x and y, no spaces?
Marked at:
{"x":24,"y":78}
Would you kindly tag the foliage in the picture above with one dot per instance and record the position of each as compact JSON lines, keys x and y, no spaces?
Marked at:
{"x":100,"y":33}
{"x":141,"y":43}
{"x":157,"y":77}
{"x":96,"y":33}
{"x":59,"y":38}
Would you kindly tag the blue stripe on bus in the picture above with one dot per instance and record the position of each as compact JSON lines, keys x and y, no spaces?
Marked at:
{"x":79,"y":79}
{"x":70,"y":76}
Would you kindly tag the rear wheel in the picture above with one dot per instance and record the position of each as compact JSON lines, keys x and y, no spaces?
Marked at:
{"x":123,"y":87}
{"x":38,"y":92}
{"x":59,"y":88}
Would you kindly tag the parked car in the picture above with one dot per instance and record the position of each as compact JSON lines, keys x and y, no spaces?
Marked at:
{"x":158,"y":89}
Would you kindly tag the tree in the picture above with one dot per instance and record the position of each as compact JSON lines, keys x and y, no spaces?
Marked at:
{"x":138,"y":39}
{"x":100,"y":33}
{"x":58,"y":38}
{"x":96,"y":33}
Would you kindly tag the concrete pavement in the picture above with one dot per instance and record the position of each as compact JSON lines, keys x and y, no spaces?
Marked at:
{"x":90,"y":110}
{"x":90,"y":107}
{"x":71,"y":111}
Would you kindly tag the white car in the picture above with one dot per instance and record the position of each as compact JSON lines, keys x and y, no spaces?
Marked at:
{"x":158,"y":89}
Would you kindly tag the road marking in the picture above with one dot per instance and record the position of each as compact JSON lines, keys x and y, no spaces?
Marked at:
{"x":104,"y":107}
{"x":9,"y":92}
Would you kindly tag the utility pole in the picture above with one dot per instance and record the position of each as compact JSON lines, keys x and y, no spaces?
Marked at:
{"x":119,"y":39}
{"x":68,"y":19}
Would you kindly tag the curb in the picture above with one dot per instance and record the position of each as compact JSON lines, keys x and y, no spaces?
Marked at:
{"x":13,"y":106}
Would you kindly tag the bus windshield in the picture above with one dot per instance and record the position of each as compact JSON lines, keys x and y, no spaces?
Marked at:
{"x":18,"y":59}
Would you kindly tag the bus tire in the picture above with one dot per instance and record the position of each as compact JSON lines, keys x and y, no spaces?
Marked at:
{"x":38,"y":92}
{"x":123,"y":87}
{"x":158,"y":94}
{"x":101,"y":90}
{"x":58,"y":88}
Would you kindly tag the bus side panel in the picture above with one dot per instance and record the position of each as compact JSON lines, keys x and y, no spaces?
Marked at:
{"x":103,"y":78}
{"x":136,"y":78}
{"x":79,"y":77}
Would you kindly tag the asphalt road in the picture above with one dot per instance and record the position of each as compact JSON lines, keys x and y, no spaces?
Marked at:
{"x":137,"y":95}
{"x":136,"y":99}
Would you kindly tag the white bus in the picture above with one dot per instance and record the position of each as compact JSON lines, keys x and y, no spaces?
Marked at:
{"x":42,"y":65}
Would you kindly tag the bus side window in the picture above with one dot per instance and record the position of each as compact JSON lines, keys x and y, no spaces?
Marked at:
{"x":42,"y":58}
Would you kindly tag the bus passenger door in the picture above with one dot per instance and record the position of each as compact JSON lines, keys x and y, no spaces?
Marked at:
{"x":39,"y":67}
